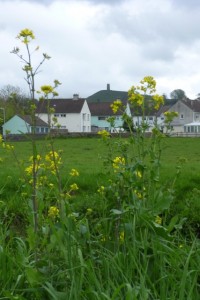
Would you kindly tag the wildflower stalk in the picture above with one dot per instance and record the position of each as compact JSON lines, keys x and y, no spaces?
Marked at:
{"x":26,"y":36}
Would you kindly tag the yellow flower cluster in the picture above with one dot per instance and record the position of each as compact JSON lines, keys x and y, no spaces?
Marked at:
{"x":104,"y":133}
{"x":101,"y":190}
{"x":89,"y":211}
{"x":121,"y":236}
{"x":118,"y":163}
{"x":74,"y":172}
{"x":147,"y":87}
{"x":53,"y":212}
{"x":54,"y":160}
{"x":158,"y":220}
{"x":7,"y":146}
{"x":148,"y":84}
{"x":116,"y":105}
{"x":170,"y":115}
{"x":29,"y":169}
{"x":138,"y":174}
{"x":73,"y":187}
{"x":26,"y":35}
{"x":158,"y":101}
{"x":134,"y":97}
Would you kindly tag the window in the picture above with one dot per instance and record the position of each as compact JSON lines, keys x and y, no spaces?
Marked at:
{"x":84,"y":117}
{"x":150,"y":118}
{"x":88,"y":117}
{"x":63,"y":115}
{"x":101,"y":118}
{"x":56,"y":115}
{"x":181,"y":116}
{"x":42,"y":129}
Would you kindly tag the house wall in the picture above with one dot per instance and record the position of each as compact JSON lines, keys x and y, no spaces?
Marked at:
{"x":73,"y":122}
{"x":16,"y":126}
{"x":149,"y":120}
{"x":185,"y":115}
{"x":85,"y":118}
{"x":100,"y":122}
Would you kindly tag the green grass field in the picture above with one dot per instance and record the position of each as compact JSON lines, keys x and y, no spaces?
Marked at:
{"x":109,"y":246}
{"x":88,"y":154}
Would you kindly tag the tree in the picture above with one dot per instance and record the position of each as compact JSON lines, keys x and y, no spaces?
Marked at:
{"x":178,"y":94}
{"x":14,"y":100}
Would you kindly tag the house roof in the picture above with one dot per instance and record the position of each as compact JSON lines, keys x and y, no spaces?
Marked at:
{"x":194,"y":105}
{"x":28,"y":119}
{"x":162,"y":110}
{"x":107,"y":95}
{"x":102,"y":109}
{"x":60,"y":105}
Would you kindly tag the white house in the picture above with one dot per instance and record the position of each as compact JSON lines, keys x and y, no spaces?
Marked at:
{"x":151,"y":117}
{"x":72,"y":115}
{"x":20,"y":124}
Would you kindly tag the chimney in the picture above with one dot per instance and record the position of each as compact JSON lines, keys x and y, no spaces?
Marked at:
{"x":108,"y":86}
{"x":75,"y":96}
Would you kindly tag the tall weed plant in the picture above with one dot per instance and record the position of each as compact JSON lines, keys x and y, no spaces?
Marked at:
{"x":128,"y":248}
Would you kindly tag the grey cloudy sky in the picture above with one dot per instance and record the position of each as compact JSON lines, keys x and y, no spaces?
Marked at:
{"x":95,"y":42}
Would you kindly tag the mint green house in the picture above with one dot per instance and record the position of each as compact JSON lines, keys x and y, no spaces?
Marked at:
{"x":99,"y":105}
{"x":19,"y":124}
{"x":100,"y":112}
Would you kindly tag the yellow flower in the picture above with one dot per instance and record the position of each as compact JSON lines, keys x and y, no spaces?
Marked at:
{"x":158,"y":220}
{"x":74,"y":187}
{"x":26,"y":35}
{"x":104,"y":133}
{"x":116,"y":105}
{"x":158,"y":100}
{"x":101,"y":190}
{"x":170,"y":115}
{"x":1,"y":138}
{"x":138,"y":174}
{"x":47,"y":89}
{"x":53,"y":212}
{"x":74,"y":172}
{"x":118,"y":163}
{"x":138,"y":194}
{"x":121,"y":236}
{"x":89,"y":211}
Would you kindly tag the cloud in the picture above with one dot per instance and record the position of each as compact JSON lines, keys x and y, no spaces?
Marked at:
{"x":93,"y":43}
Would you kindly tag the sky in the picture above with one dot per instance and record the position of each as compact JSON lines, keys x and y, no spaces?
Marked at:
{"x":96,"y":42}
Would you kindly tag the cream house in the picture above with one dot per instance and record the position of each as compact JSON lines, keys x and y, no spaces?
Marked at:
{"x":188,"y":114}
{"x":72,"y":115}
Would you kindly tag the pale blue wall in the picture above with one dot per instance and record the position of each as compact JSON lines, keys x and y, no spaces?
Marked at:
{"x":104,"y":124}
{"x":16,"y":126}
